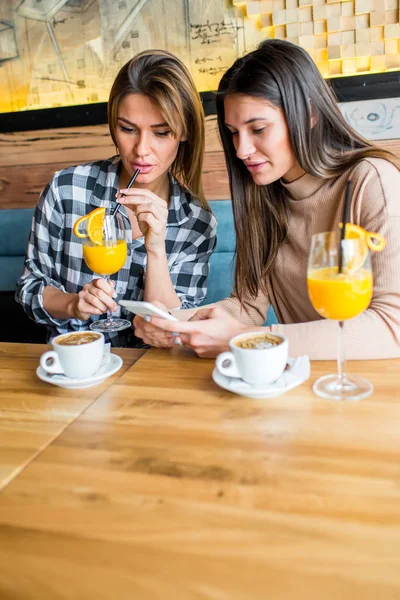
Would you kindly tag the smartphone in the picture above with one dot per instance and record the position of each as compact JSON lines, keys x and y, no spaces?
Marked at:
{"x":146,"y":309}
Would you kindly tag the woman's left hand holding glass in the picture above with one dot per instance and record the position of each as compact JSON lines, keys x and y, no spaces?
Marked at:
{"x":151,"y":213}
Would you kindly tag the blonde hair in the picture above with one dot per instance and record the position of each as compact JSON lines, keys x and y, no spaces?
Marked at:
{"x":167,"y":82}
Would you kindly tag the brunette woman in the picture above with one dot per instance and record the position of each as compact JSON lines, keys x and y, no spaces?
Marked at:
{"x":289,"y":154}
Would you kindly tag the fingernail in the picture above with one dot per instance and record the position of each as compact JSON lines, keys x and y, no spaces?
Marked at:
{"x":175,"y":333}
{"x":147,"y":318}
{"x":114,"y":295}
{"x":178,"y":341}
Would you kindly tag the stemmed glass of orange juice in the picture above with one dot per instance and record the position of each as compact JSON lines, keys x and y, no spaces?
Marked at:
{"x":105,"y":251}
{"x":341,"y":294}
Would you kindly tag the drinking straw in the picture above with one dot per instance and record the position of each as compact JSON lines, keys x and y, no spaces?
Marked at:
{"x":131,"y":182}
{"x":345,"y":220}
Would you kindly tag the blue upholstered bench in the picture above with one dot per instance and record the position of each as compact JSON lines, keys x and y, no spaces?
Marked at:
{"x":14,"y":231}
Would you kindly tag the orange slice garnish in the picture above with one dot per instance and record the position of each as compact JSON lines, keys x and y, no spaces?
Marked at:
{"x":375,"y":241}
{"x":94,"y":225}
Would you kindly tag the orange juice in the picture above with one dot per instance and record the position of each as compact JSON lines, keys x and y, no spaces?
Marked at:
{"x":339,"y":296}
{"x":105,"y":259}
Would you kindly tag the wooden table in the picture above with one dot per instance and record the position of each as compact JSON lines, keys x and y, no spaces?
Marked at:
{"x":32,"y":412}
{"x":167,"y":487}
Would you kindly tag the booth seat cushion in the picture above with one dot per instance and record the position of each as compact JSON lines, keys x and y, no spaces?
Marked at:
{"x":220,"y":280}
{"x":15,"y":225}
{"x":222,"y":265}
{"x":11,"y":268}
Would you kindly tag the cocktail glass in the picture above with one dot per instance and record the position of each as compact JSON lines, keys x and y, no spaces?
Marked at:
{"x":340,"y":296}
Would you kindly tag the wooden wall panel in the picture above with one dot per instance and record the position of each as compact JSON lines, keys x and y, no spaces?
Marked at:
{"x":29,"y":159}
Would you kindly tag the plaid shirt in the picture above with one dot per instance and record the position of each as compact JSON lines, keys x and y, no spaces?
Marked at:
{"x":54,"y":254}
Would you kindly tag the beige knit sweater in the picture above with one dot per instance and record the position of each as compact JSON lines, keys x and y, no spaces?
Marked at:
{"x":315,"y":206}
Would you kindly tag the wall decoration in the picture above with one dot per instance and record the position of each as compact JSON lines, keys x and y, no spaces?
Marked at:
{"x":374,"y":119}
{"x":67,"y":52}
{"x":344,"y":37}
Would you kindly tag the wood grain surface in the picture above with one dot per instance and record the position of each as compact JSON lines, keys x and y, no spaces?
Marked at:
{"x":29,"y":159}
{"x":32,"y":412}
{"x":170,"y":487}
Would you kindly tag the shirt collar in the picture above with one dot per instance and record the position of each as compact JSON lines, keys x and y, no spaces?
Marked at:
{"x":303,"y":187}
{"x":105,"y":186}
{"x":179,"y":205}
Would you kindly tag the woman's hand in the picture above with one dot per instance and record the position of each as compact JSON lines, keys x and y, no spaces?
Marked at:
{"x":152,"y":335}
{"x":208,"y":332}
{"x":95,"y":298}
{"x":151,"y":212}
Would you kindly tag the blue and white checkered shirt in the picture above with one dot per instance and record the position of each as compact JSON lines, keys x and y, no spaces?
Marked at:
{"x":54,"y":255}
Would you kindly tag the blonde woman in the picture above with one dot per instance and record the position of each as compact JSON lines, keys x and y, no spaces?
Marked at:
{"x":289,"y":154}
{"x":156,"y":121}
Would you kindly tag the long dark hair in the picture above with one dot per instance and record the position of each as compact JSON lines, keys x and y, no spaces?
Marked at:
{"x":286,"y":76}
{"x":164,"y":78}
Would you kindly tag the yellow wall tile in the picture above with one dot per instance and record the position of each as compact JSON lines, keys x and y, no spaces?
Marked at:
{"x":334,"y":52}
{"x":343,"y":36}
{"x":363,"y":6}
{"x":378,"y":63}
{"x":307,"y":28}
{"x":292,"y":29}
{"x":391,"y":16}
{"x":391,"y":31}
{"x":279,"y":17}
{"x":307,"y":41}
{"x":266,"y":6}
{"x":363,"y":63}
{"x":253,"y":8}
{"x":393,"y":61}
{"x":348,"y":37}
{"x":335,"y":39}
{"x":321,"y":41}
{"x":349,"y":66}
{"x":391,"y":46}
{"x":391,"y":4}
{"x":347,"y":9}
{"x":320,"y":27}
{"x":266,"y":20}
{"x":377,"y":17}
{"x":335,"y":68}
{"x":349,"y":51}
{"x":362,"y":21}
{"x":334,"y":24}
{"x":363,"y":35}
{"x":305,"y":14}
{"x":376,"y":34}
{"x":319,"y":12}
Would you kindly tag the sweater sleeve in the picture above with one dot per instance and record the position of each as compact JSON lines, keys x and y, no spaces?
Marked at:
{"x":253,"y":313}
{"x":375,"y":333}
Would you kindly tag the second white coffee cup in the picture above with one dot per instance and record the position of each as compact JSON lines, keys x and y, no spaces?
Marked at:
{"x":257,"y":366}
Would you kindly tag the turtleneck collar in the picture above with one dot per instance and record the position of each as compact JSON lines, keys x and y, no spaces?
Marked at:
{"x":303,"y":187}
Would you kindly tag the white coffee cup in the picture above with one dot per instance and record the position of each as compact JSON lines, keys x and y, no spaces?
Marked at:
{"x":256,"y":366}
{"x":78,"y":360}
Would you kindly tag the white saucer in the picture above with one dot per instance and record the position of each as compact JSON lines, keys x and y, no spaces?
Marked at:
{"x":113,"y":365}
{"x":297,"y":372}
